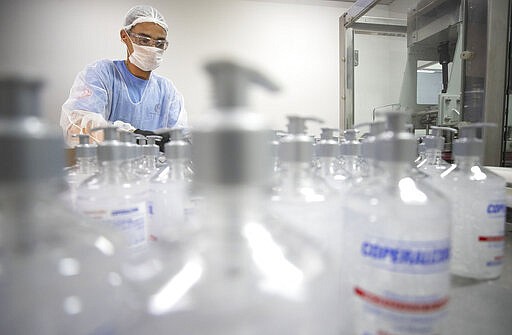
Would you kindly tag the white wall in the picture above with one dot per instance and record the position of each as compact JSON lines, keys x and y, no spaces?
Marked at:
{"x":294,"y":42}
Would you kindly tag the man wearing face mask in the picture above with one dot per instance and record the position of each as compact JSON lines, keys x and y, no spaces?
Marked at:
{"x":126,"y":93}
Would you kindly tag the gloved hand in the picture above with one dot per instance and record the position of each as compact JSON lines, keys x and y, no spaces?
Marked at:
{"x":161,"y":144}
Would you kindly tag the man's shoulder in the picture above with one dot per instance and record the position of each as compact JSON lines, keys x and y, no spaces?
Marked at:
{"x":101,"y":64}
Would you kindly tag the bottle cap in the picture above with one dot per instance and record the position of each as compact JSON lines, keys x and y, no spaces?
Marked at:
{"x":178,"y":147}
{"x":468,"y":144}
{"x":436,"y":140}
{"x":328,"y":146}
{"x":84,"y":149}
{"x":350,"y":146}
{"x":297,"y":146}
{"x":33,"y":150}
{"x":111,"y":149}
{"x":396,"y":144}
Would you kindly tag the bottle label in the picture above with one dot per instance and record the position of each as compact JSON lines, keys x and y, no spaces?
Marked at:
{"x":491,"y":239}
{"x":130,"y":220}
{"x":402,"y":286}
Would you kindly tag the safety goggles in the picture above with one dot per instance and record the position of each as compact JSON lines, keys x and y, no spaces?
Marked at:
{"x":148,"y":41}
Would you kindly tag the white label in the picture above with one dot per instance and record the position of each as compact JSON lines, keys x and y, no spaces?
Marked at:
{"x":130,"y":220}
{"x":401,"y":287}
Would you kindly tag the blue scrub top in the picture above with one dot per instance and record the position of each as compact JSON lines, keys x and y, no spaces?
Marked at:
{"x":108,"y":88}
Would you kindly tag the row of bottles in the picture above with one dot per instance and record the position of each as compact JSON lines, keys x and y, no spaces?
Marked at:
{"x":239,"y":229}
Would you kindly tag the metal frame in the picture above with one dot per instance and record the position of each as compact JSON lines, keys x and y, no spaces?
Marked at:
{"x":349,"y":25}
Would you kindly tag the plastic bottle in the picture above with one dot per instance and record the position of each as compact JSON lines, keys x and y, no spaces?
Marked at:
{"x":350,"y":150}
{"x":57,"y":275}
{"x":247,"y":275}
{"x":369,"y":166}
{"x":433,"y":164}
{"x":398,"y":244}
{"x":422,"y":152}
{"x":148,"y":163}
{"x":305,"y":201}
{"x":115,"y":196}
{"x":479,"y":208}
{"x":170,"y":190}
{"x":328,"y":166}
{"x":86,"y":165}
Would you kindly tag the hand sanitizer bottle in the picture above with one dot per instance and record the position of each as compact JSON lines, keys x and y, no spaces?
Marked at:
{"x":479,"y":208}
{"x":422,"y":151}
{"x":170,"y":190}
{"x":351,"y":152}
{"x":86,"y":165}
{"x":369,"y":166}
{"x":115,"y":196}
{"x":433,"y":164}
{"x":57,"y":275}
{"x":244,"y":274}
{"x":398,"y":244}
{"x":328,"y":166}
{"x":148,"y":163}
{"x":303,"y":197}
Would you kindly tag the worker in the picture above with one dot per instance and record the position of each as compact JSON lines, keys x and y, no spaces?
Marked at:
{"x":126,"y":93}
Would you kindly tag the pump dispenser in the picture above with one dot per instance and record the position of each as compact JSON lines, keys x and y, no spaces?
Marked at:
{"x":479,"y":208}
{"x":243,"y":274}
{"x":328,"y":166}
{"x":398,"y":242}
{"x":433,"y":164}
{"x":115,"y":196}
{"x":86,"y":165}
{"x":170,"y":190}
{"x":57,"y":275}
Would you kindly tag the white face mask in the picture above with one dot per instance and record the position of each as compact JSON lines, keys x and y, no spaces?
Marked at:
{"x":146,"y":58}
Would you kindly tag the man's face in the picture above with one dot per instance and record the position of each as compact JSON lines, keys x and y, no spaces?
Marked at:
{"x":145,"y":34}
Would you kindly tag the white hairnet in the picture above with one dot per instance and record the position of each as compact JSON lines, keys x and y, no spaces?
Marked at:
{"x":144,"y":13}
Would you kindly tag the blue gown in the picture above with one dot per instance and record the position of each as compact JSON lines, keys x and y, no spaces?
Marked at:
{"x":107,"y":87}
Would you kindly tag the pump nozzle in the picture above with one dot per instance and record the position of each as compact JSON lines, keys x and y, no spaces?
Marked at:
{"x":297,"y":124}
{"x":230,"y":83}
{"x":110,"y":133}
{"x":328,"y":133}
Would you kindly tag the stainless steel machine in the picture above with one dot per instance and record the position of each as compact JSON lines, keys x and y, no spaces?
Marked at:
{"x":468,"y":44}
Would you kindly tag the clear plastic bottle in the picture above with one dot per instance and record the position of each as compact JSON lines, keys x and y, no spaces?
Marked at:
{"x":86,"y":165}
{"x":398,"y":244}
{"x":479,"y":208}
{"x":148,"y":163}
{"x":434,"y":164}
{"x":303,"y":197}
{"x":422,"y":152}
{"x":350,"y":150}
{"x":242,"y":273}
{"x":115,"y":196}
{"x":57,"y":274}
{"x":328,"y":166}
{"x":170,"y":190}
{"x":368,"y":155}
